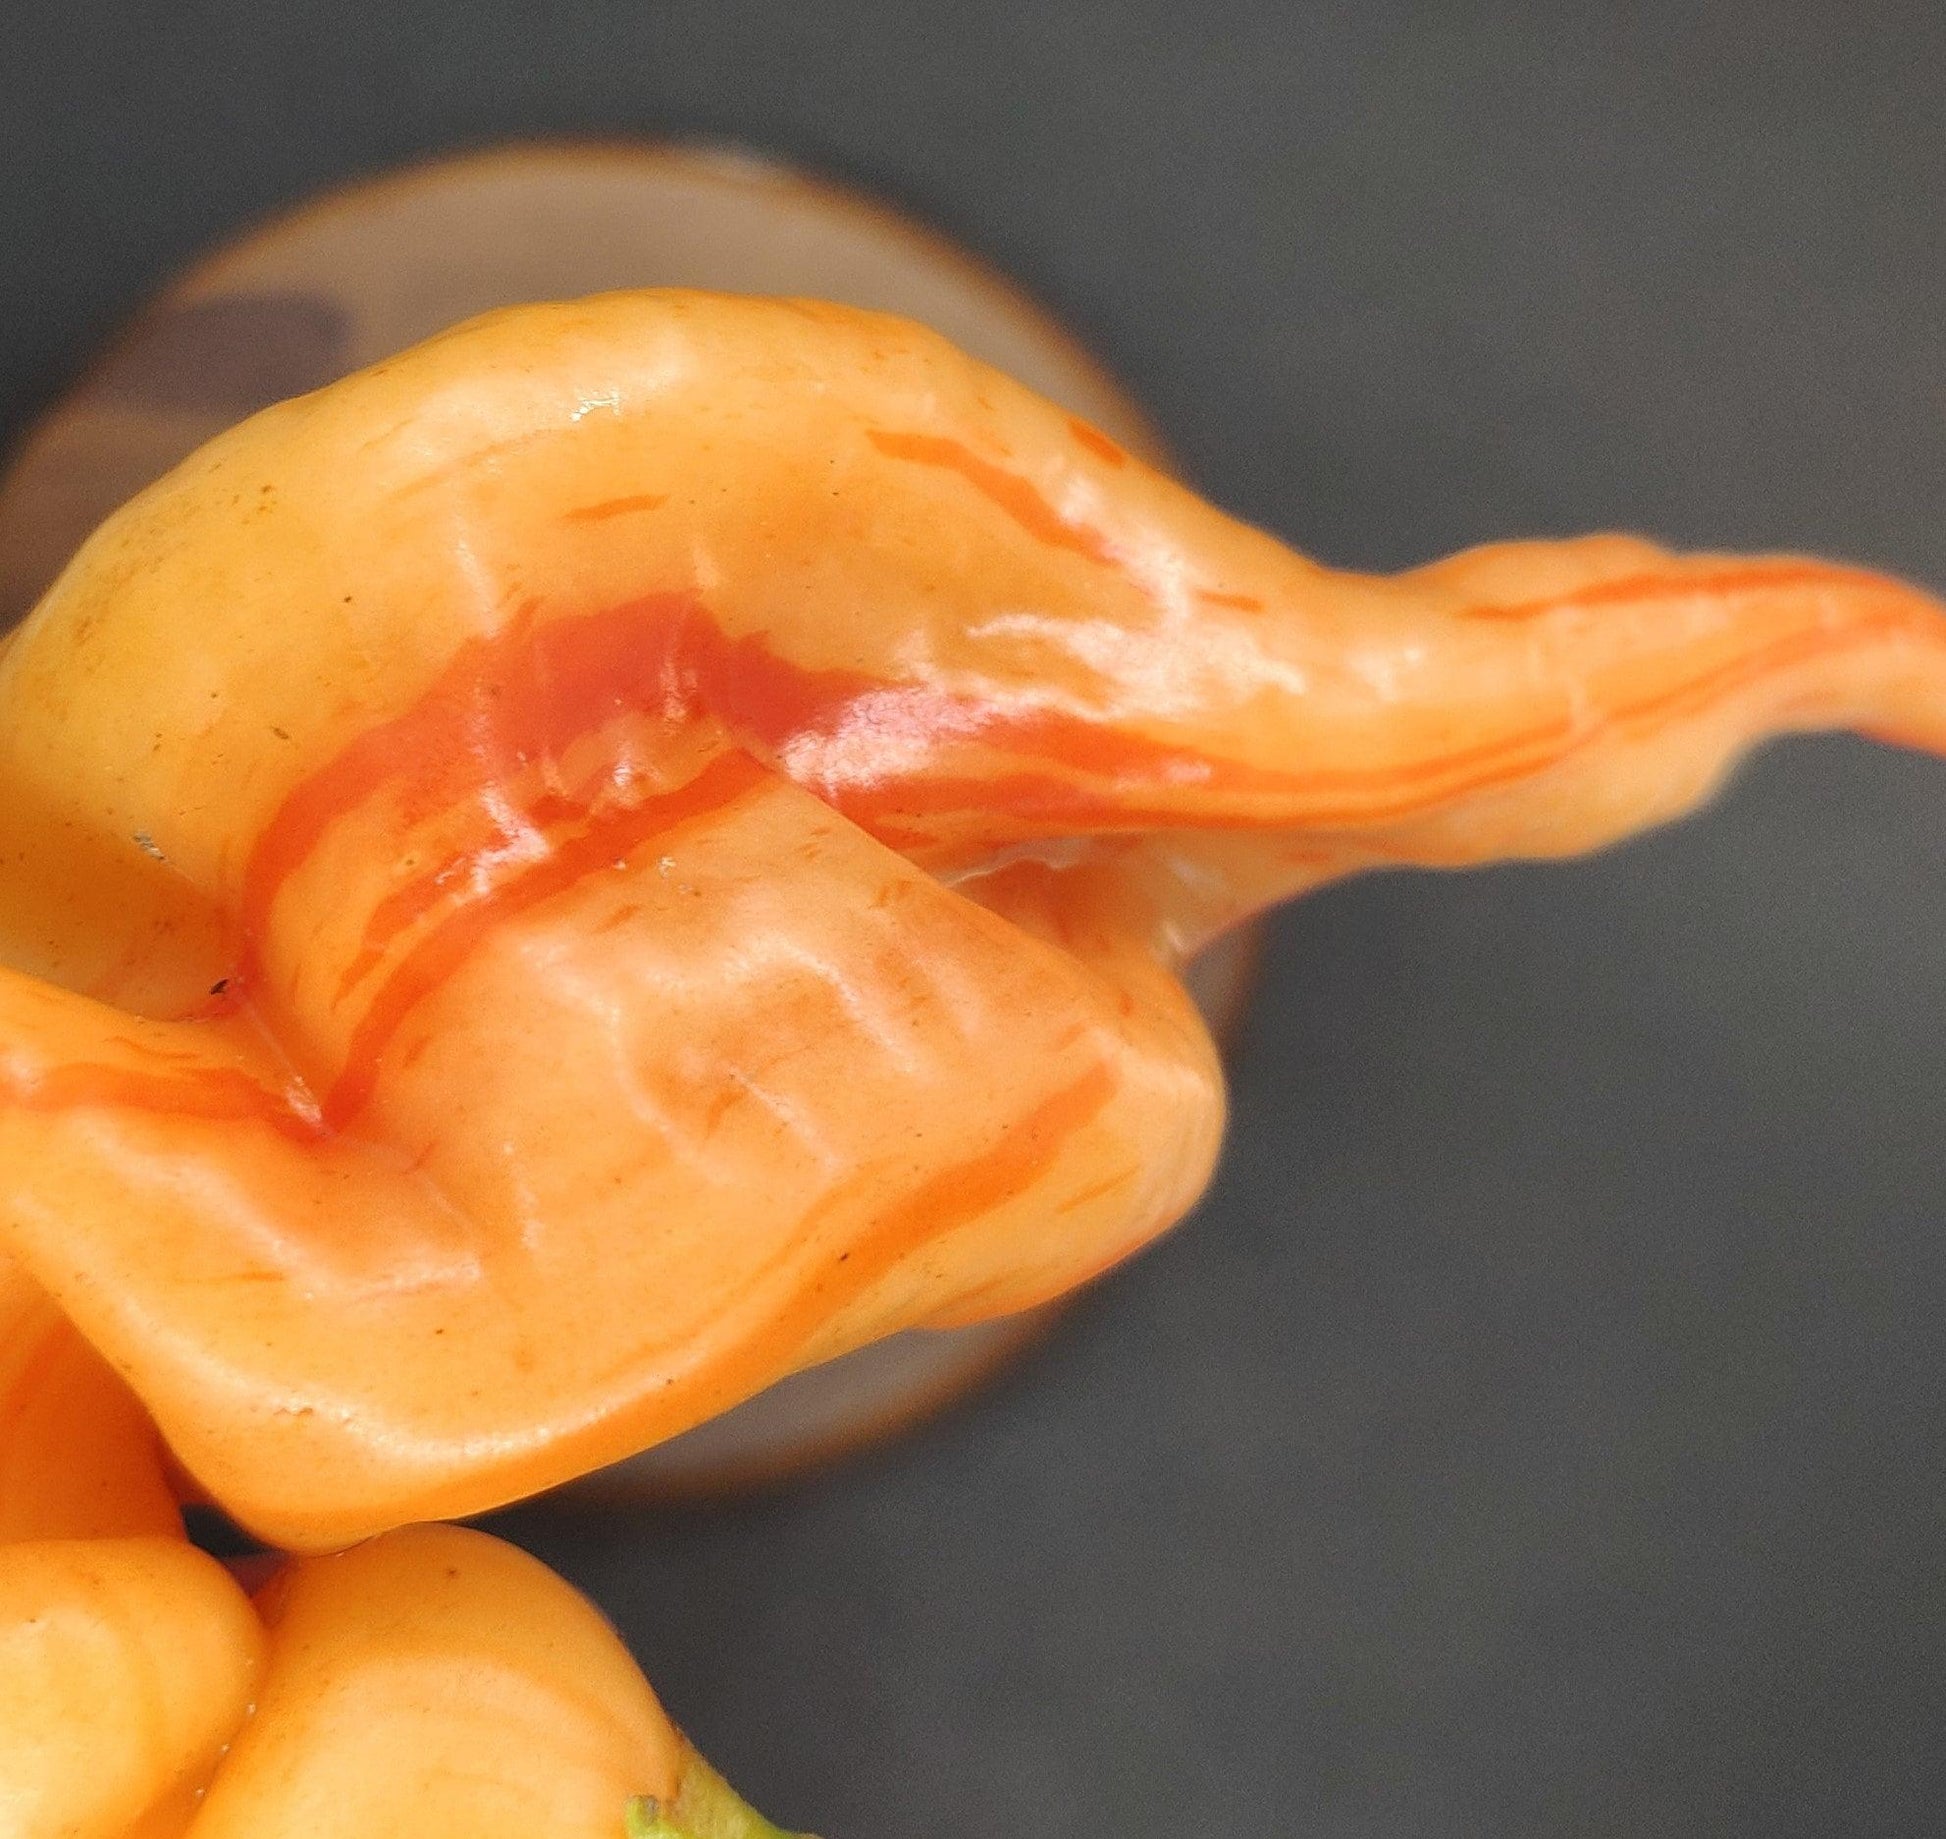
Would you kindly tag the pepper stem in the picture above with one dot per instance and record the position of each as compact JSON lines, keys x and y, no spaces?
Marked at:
{"x":705,"y":1807}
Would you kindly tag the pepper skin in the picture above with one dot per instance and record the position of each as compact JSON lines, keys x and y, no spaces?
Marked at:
{"x":438,"y":1681}
{"x":127,"y":1657}
{"x":433,"y":1681}
{"x":79,"y":1458}
{"x":645,"y":843}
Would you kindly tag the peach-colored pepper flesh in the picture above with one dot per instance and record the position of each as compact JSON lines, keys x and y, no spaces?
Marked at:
{"x":128,"y":1658}
{"x":439,"y":1681}
{"x":431,"y":1681}
{"x":646,"y":843}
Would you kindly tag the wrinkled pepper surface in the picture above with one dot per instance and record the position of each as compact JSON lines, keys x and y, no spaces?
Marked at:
{"x":431,"y":1681}
{"x":646,"y":843}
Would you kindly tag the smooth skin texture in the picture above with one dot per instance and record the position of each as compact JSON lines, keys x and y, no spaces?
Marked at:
{"x":79,"y":1458}
{"x":433,"y":1681}
{"x":439,"y":1681}
{"x":645,"y":843}
{"x":125,"y":1665}
{"x":127,"y":1657}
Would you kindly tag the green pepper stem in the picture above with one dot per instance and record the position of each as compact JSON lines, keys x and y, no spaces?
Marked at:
{"x":705,"y":1807}
{"x":647,"y":1820}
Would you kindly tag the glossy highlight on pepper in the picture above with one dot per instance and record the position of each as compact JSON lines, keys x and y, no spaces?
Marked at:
{"x":647,"y":842}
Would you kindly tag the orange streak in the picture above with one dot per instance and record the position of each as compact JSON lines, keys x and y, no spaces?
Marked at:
{"x":400,"y":909}
{"x":620,"y":918}
{"x":775,"y":702}
{"x":1337,"y":797}
{"x":1096,"y":442}
{"x":436,"y":958}
{"x":526,"y":693}
{"x":514,"y":701}
{"x":1100,"y":1188}
{"x":1743,"y":578}
{"x":215,"y":1094}
{"x":411,"y":901}
{"x":616,"y":507}
{"x":943,"y":1202}
{"x":1694,"y":692}
{"x":1018,"y":497}
{"x":1243,"y":603}
{"x":503,"y":701}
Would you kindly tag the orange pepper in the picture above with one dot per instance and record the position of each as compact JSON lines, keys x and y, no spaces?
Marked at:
{"x":432,"y":1681}
{"x":79,"y":1458}
{"x":646,"y":843}
{"x":127,"y":1657}
{"x":438,"y":1681}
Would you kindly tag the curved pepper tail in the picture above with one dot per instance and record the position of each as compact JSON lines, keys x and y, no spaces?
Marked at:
{"x":690,"y":809}
{"x":1562,"y":696}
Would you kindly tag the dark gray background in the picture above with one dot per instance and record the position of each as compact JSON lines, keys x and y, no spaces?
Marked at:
{"x":1540,"y":1430}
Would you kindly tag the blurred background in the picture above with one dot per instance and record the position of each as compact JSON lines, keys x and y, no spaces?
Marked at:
{"x":1541,"y":1428}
